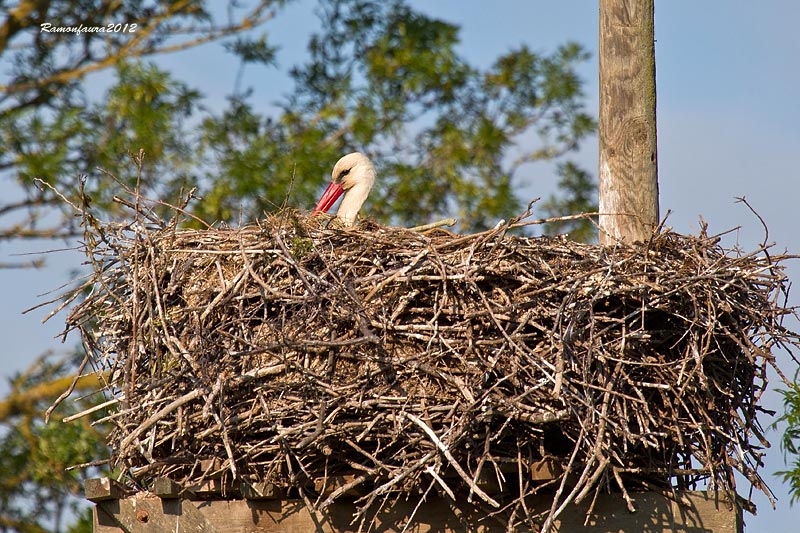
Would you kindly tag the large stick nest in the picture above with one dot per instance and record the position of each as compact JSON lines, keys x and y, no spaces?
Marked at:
{"x":294,"y":353}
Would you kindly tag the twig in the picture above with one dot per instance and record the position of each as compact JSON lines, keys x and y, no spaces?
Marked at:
{"x":460,"y":471}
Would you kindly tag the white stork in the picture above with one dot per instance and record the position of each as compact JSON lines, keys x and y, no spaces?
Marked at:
{"x":353,"y":175}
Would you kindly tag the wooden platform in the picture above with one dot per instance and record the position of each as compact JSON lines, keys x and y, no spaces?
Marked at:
{"x":114,"y":512}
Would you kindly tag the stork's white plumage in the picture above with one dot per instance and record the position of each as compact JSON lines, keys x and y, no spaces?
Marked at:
{"x":353,"y":175}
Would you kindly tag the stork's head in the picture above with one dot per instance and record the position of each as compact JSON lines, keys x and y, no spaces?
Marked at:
{"x":353,"y":175}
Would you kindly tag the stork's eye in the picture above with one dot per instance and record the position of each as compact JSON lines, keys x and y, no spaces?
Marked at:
{"x":342,"y":174}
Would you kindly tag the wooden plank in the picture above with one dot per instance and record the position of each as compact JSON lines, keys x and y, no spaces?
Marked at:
{"x":274,"y":516}
{"x":697,"y":512}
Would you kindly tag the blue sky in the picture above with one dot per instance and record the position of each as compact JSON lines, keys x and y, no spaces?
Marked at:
{"x":728,"y":125}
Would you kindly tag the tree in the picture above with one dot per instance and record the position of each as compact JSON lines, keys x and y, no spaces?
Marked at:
{"x":37,"y":491}
{"x":49,"y":127}
{"x":790,"y":443}
{"x":49,"y":60}
{"x":628,"y":166}
{"x":439,"y":129}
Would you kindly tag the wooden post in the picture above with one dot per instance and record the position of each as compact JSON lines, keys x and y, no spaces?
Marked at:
{"x":628,"y":169}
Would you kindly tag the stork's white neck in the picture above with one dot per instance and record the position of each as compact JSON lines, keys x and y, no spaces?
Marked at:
{"x":353,"y":200}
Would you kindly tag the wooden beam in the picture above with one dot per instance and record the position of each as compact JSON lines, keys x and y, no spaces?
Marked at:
{"x":655,"y":513}
{"x":103,"y":488}
{"x":628,"y":161}
{"x":146,"y":514}
{"x":163,"y":487}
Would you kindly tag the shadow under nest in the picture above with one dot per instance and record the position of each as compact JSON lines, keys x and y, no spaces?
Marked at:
{"x":406,"y":363}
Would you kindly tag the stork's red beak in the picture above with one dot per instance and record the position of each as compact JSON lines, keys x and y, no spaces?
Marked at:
{"x":329,"y":197}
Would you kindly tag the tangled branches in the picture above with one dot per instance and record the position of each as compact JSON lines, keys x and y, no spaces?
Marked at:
{"x":382,"y":362}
